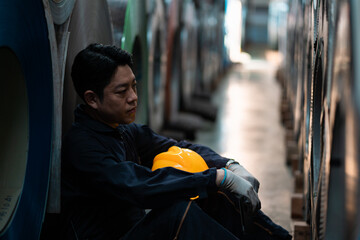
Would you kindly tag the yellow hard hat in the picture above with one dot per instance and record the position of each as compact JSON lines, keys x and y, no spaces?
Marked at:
{"x":180,"y":158}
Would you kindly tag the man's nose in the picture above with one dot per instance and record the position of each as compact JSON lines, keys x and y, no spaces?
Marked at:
{"x":132,"y":96}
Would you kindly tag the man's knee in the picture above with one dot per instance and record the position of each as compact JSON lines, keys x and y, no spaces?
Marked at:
{"x":184,"y":218}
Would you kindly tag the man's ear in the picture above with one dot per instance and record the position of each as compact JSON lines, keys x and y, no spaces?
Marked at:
{"x":91,"y":99}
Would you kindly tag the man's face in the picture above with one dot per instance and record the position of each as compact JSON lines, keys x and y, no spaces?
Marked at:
{"x":120,"y":98}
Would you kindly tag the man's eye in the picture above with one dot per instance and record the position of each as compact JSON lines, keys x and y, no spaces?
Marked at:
{"x":121,"y":92}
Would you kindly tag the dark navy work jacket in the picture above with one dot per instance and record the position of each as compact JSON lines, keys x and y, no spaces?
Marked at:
{"x":107,"y":181}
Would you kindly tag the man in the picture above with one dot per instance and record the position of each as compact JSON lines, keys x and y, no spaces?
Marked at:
{"x":107,"y":182}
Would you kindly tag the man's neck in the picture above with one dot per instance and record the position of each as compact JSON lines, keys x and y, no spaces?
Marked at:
{"x":94,"y":114}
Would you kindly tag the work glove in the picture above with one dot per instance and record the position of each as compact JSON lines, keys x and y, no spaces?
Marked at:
{"x":242,"y":190}
{"x":240,"y":171}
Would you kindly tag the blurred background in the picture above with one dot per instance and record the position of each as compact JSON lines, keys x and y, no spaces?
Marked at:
{"x":273,"y":84}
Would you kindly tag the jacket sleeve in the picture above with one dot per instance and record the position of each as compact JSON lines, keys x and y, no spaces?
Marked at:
{"x":91,"y":170}
{"x":149,"y":144}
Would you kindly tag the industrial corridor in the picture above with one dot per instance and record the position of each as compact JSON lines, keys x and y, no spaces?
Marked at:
{"x":248,"y":128}
{"x":93,"y":92}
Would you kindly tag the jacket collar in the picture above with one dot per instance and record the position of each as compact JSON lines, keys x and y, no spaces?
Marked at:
{"x":84,"y":119}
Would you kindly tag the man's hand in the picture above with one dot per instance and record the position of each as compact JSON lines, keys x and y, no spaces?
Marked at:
{"x":240,"y":187}
{"x":240,"y":171}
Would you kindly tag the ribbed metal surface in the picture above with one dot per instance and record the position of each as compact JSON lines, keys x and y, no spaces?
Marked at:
{"x":61,"y":10}
{"x":329,"y":130}
{"x":156,"y":36}
{"x":90,"y":23}
{"x":134,"y":41}
{"x":24,"y":36}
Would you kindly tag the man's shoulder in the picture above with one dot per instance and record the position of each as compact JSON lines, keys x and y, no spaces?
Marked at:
{"x":79,"y":134}
{"x":80,"y":141}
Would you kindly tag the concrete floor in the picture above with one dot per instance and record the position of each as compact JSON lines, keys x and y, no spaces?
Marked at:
{"x":248,"y":129}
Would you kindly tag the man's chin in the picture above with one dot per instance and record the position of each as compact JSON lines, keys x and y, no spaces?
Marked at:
{"x":129,"y":120}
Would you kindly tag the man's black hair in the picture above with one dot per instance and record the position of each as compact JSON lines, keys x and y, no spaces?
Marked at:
{"x":94,"y":67}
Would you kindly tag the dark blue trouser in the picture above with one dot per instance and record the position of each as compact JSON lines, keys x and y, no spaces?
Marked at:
{"x":216,"y":217}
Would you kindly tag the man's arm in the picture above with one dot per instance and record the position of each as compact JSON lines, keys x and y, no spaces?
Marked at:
{"x":149,"y":144}
{"x":90,"y":170}
{"x":152,"y":143}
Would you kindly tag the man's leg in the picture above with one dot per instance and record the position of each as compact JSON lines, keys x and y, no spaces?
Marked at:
{"x":226,"y":210}
{"x":164,"y":224}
